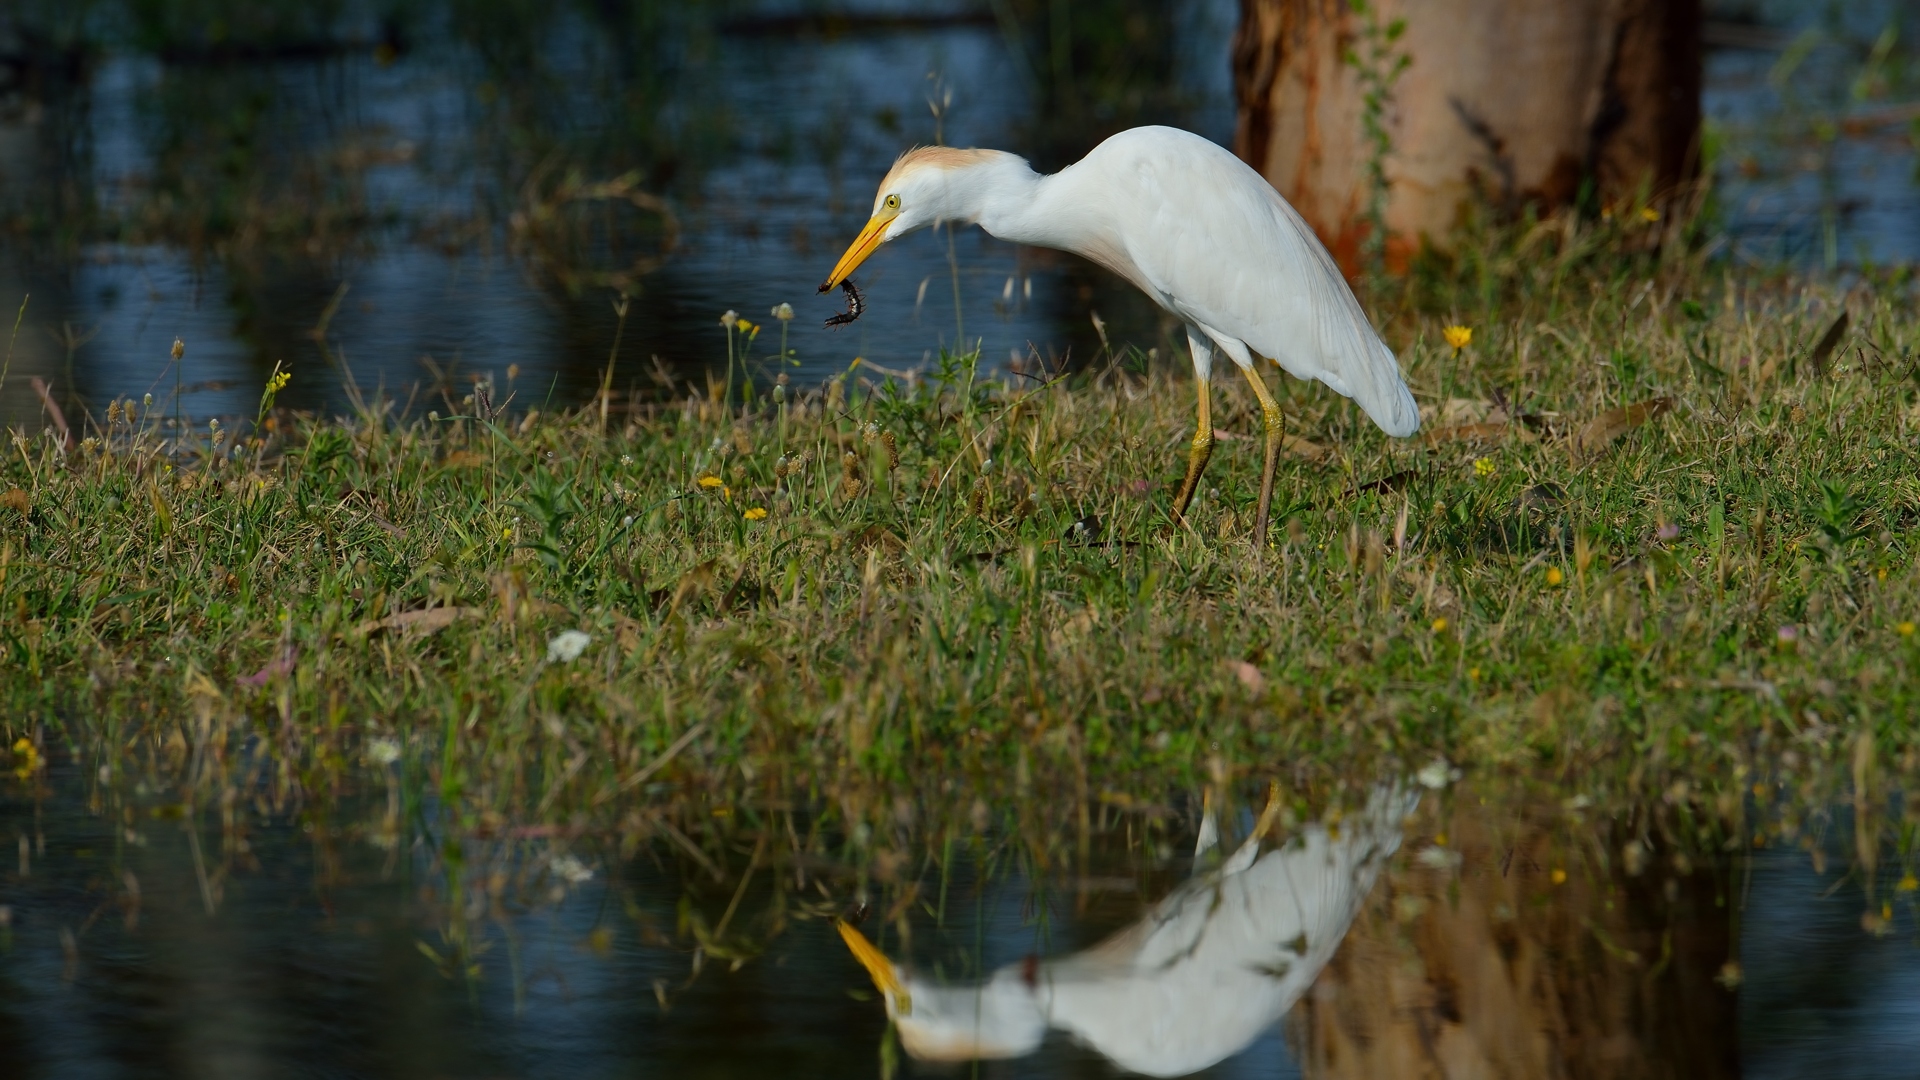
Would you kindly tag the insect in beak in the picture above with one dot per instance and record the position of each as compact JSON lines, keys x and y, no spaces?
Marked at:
{"x":856,"y":304}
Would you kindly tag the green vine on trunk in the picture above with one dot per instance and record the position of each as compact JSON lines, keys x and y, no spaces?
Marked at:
{"x":1378,"y":65}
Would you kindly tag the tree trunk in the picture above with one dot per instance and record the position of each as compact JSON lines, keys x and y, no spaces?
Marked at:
{"x":1512,"y":101}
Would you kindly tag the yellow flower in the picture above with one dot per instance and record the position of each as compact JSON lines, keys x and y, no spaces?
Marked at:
{"x":711,"y":482}
{"x":1440,"y":625}
{"x":1458,"y":336}
{"x":1559,"y":876}
{"x":1908,"y":883}
{"x":1554,"y":576}
{"x":1473,"y":674}
{"x":26,"y":758}
{"x":1483,"y":466}
{"x":1649,"y":214}
{"x":1905,"y":628}
{"x":278,"y":382}
{"x":756,"y":513}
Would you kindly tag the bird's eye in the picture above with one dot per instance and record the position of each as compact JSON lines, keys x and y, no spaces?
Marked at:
{"x":893,"y":202}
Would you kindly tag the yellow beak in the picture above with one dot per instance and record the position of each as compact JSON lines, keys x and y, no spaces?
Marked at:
{"x":886,"y":978}
{"x":863,"y":246}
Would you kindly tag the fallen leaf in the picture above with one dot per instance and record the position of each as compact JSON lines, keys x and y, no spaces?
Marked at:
{"x":1298,"y":447}
{"x":1312,"y":451}
{"x":464,"y":459}
{"x":1386,"y":484}
{"x":1614,"y":423}
{"x":425,"y":621}
{"x":1492,"y":431}
{"x":1249,"y":676}
{"x":17,"y":500}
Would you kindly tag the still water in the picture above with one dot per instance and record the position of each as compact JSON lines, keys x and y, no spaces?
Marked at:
{"x":412,"y":193}
{"x":1386,"y":929}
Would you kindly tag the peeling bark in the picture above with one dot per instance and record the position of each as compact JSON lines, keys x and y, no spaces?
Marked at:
{"x":1513,"y":102}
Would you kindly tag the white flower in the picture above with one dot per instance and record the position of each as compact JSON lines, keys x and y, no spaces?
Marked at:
{"x":383,"y":751}
{"x":1437,"y":774}
{"x":567,"y":647}
{"x":783,"y":312}
{"x":570,"y":870}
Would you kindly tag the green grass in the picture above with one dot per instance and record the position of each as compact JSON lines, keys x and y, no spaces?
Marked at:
{"x":1511,"y":604}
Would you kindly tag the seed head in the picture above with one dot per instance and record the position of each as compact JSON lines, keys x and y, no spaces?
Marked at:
{"x":179,"y":348}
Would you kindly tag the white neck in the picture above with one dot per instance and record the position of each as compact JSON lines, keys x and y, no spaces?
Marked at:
{"x":1001,"y":195}
{"x":1008,"y":199}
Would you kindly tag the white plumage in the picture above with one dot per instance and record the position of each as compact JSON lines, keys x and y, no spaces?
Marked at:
{"x":1198,"y":979}
{"x":1194,"y":228}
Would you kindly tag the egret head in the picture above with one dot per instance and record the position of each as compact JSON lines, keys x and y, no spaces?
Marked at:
{"x":926,"y":185}
{"x":1000,"y":1018}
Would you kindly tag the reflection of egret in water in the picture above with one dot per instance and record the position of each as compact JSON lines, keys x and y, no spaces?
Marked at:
{"x":1198,"y":979}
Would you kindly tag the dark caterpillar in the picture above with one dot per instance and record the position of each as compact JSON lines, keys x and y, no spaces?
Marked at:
{"x":856,"y":304}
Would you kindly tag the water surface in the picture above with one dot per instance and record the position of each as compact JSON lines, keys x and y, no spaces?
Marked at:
{"x":371,"y":934}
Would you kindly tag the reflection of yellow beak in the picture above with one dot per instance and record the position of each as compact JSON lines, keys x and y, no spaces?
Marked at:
{"x":863,"y":245}
{"x":886,"y":978}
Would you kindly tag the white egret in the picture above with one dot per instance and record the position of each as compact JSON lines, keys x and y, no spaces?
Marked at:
{"x":1194,"y":982}
{"x":1198,"y":231}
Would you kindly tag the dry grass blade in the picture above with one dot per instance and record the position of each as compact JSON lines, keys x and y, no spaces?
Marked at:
{"x":1823,"y":349}
{"x":698,"y":729}
{"x":1614,"y":423}
{"x":53,"y":410}
{"x":427,"y":621}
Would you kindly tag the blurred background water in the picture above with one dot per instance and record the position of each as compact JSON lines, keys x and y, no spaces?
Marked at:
{"x":444,"y":188}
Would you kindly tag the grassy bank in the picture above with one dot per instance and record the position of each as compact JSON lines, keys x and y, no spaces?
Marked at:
{"x":1650,"y":530}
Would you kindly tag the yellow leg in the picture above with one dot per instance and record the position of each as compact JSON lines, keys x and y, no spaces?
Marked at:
{"x":1197,"y":457}
{"x":1276,"y":431}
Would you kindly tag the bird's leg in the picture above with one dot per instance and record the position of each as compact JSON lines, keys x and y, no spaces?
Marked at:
{"x":1196,"y":457}
{"x":1276,"y":431}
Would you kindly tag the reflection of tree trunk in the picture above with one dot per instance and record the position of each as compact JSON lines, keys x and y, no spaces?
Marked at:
{"x":1497,"y":972}
{"x":1516,"y":101}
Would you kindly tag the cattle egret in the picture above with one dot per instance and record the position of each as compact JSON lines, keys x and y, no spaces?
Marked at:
{"x":1194,"y":982}
{"x":1198,"y":231}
